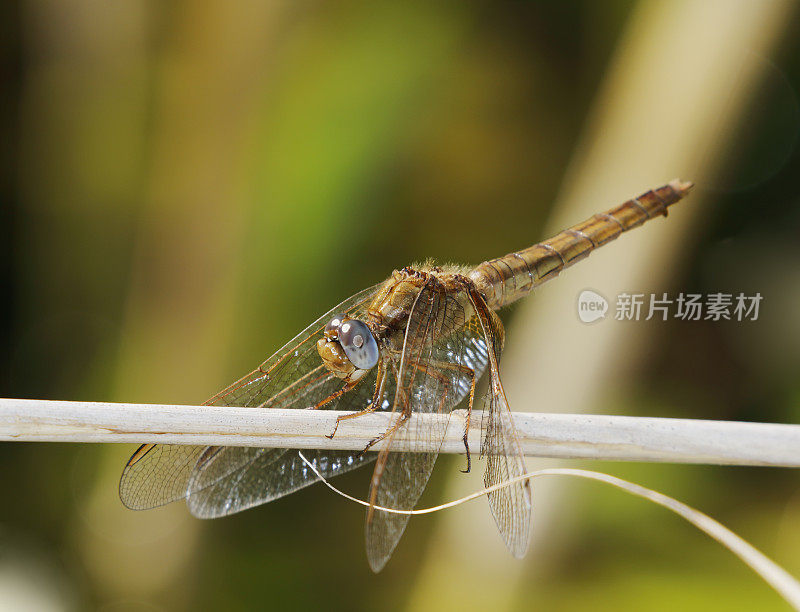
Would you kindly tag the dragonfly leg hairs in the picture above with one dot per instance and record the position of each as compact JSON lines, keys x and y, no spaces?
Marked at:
{"x":416,"y":343}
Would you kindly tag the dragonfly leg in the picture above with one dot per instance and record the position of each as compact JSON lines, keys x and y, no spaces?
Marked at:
{"x":445,"y":365}
{"x":404,"y":416}
{"x":348,"y":386}
{"x":374,"y":404}
{"x":469,"y":417}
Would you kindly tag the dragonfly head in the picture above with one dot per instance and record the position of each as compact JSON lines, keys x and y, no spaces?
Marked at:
{"x":348,"y":348}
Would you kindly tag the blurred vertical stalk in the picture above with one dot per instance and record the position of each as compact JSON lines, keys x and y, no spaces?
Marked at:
{"x":185,"y":268}
{"x":674,"y":94}
{"x":83,"y":118}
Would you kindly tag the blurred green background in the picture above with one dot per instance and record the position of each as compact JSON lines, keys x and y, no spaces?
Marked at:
{"x":185,"y":185}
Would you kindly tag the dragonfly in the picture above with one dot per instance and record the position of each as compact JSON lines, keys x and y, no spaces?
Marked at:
{"x":416,"y":343}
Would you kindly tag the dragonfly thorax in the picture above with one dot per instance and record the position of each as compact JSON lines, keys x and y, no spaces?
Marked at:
{"x":348,"y":348}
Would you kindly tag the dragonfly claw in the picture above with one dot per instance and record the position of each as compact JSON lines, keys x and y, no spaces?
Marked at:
{"x":469,"y":457}
{"x":369,"y":445}
{"x":333,"y":433}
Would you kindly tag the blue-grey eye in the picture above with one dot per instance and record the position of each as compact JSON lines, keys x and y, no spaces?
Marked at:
{"x":358,"y":343}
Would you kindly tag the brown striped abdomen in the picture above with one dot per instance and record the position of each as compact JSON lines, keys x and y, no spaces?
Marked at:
{"x":508,"y":278}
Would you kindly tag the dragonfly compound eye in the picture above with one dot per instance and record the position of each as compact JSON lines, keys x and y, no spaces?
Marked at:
{"x":358,"y":343}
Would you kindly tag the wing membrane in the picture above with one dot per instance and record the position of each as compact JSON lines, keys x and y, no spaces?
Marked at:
{"x":510,"y":506}
{"x":293,"y":377}
{"x":232,"y":479}
{"x":262,"y":475}
{"x":442,"y":356}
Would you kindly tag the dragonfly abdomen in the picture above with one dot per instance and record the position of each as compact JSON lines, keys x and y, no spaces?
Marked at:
{"x":506,"y":279}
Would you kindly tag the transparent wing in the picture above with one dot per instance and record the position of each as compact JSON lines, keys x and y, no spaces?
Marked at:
{"x":294,"y":377}
{"x":157,"y":474}
{"x":231,"y":479}
{"x":510,"y":506}
{"x":443,"y":355}
{"x":264,"y":474}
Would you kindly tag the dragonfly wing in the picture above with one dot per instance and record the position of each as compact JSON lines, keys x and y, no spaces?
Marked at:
{"x":442,"y":356}
{"x":259,"y":475}
{"x":231,"y":479}
{"x":157,"y":474}
{"x":510,"y":506}
{"x":293,"y":377}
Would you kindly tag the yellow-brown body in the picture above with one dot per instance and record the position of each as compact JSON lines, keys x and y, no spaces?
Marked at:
{"x":395,"y":299}
{"x":506,"y":279}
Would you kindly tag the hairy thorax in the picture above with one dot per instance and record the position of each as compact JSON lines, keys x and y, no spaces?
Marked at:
{"x":401,"y":293}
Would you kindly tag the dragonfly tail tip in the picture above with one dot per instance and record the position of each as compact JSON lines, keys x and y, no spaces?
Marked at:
{"x":680,"y":186}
